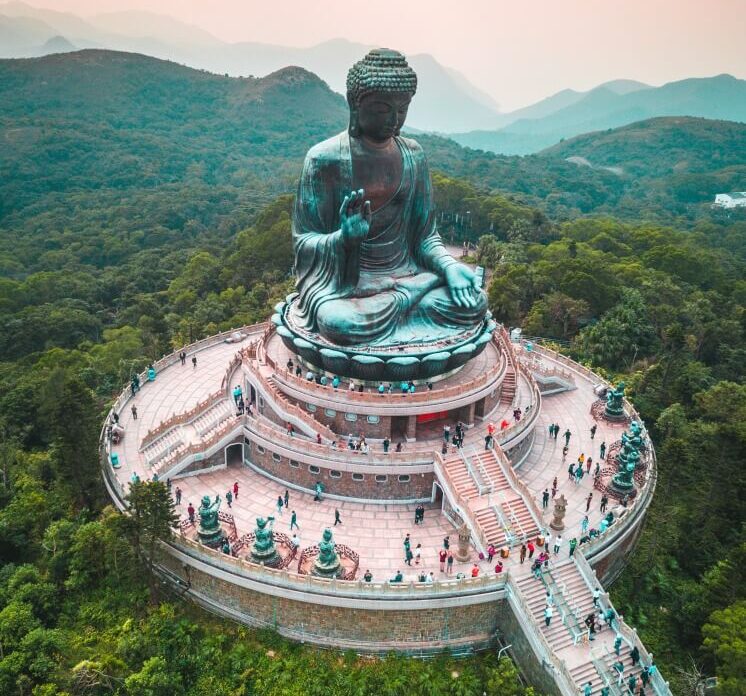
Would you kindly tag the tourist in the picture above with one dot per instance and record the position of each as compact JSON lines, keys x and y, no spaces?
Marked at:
{"x":504,"y":424}
{"x":430,"y":578}
{"x":593,"y":430}
{"x":190,"y":512}
{"x":447,"y":543}
{"x":545,"y":499}
{"x":417,"y":554}
{"x":368,"y":577}
{"x":568,"y":434}
{"x":279,"y":505}
{"x":584,"y":525}
{"x":536,"y":568}
{"x":488,"y":442}
{"x":632,"y":683}
{"x":635,"y":655}
{"x":289,"y":365}
{"x":446,"y":432}
{"x":298,"y":371}
{"x":429,"y":386}
{"x":310,"y":376}
{"x":604,"y":691}
{"x":177,"y":494}
{"x":323,"y":380}
{"x":578,"y":474}
{"x":549,"y":599}
{"x":422,"y":577}
{"x":295,"y":541}
{"x":644,"y":677}
{"x":291,"y":430}
{"x":588,"y":690}
{"x":548,"y":614}
{"x":491,"y":429}
{"x":229,"y":498}
{"x":498,"y":567}
{"x":602,"y":451}
{"x":407,"y":542}
{"x":596,"y":596}
{"x":551,"y":429}
{"x":398,"y":577}
{"x":449,"y":564}
{"x":226,"y":547}
{"x":573,"y":546}
{"x":337,"y":518}
{"x":386,"y":445}
{"x":134,"y":412}
{"x":352,"y":385}
{"x":523,"y":552}
{"x":531,"y":549}
{"x":237,"y":393}
{"x":183,"y":357}
{"x":588,"y":464}
{"x":617,"y":642}
{"x":490,"y":553}
{"x":597,"y":471}
{"x":408,"y":555}
{"x":442,"y":555}
{"x":556,"y":430}
{"x":581,"y":458}
{"x":618,"y":667}
{"x":335,"y":382}
{"x":398,"y":447}
{"x":286,"y":497}
{"x":555,"y":486}
{"x":590,"y":622}
{"x":194,"y":362}
{"x":475,"y":570}
{"x":565,"y":450}
{"x":604,"y":502}
{"x":571,"y":472}
{"x":444,"y":449}
{"x":557,"y":544}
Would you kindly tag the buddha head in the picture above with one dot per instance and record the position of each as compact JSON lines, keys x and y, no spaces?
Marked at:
{"x":379,"y":90}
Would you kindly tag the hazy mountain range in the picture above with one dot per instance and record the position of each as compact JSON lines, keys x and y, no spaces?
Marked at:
{"x":446,"y":101}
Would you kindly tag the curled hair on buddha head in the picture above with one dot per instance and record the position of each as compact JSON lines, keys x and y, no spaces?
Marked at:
{"x":382,"y":70}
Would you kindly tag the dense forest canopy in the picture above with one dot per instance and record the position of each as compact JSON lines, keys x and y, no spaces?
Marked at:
{"x":144,"y":205}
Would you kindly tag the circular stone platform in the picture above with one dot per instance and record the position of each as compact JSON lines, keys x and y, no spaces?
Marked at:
{"x":204,"y":448}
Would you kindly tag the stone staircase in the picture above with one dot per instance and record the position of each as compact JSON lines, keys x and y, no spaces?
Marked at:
{"x":508,"y":387}
{"x":600,"y":672}
{"x":460,"y":477}
{"x":488,"y":467}
{"x":214,"y":417}
{"x":162,"y":447}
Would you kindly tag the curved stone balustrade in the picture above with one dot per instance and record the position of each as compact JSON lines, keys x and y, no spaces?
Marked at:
{"x":492,"y":377}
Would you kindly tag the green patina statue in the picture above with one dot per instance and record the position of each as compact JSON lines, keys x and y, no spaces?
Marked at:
{"x":627,"y":461}
{"x":263,"y":549}
{"x":210,"y":532}
{"x":371,"y":267}
{"x":615,"y":402}
{"x":327,"y":563}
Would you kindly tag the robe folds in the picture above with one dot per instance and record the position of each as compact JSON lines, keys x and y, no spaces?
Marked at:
{"x":388,"y":290}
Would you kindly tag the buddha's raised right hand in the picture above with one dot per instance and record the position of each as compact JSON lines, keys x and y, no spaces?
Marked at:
{"x":355,"y":217}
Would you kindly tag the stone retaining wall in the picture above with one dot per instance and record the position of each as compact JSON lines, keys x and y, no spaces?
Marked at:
{"x":402,"y":487}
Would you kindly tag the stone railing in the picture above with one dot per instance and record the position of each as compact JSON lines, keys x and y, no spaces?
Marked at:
{"x":274,"y":435}
{"x":542,"y":650}
{"x":493,"y":374}
{"x":288,"y":580}
{"x":181,"y":418}
{"x":529,"y":419}
{"x":234,"y":363}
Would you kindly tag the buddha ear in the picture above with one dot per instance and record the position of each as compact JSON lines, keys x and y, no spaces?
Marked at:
{"x":354,"y":129}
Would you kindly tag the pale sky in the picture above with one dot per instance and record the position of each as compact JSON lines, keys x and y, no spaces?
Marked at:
{"x":518,"y":51}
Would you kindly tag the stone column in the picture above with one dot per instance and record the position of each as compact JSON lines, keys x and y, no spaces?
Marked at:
{"x":411,"y":428}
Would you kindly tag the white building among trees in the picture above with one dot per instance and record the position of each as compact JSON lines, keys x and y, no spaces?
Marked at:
{"x":731,"y":200}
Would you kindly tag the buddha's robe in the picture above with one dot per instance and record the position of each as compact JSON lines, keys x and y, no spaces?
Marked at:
{"x":388,"y":290}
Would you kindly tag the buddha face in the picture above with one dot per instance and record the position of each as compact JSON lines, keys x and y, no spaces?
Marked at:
{"x":382,"y":114}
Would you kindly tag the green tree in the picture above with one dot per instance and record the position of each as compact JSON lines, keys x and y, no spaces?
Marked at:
{"x":152,"y":516}
{"x":725,"y":639}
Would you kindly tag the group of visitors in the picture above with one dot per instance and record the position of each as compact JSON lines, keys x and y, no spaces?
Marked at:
{"x":457,"y":439}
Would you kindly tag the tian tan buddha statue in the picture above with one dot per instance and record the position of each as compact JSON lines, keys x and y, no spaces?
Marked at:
{"x":371,"y":267}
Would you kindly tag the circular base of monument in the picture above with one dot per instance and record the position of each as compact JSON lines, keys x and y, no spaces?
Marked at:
{"x":422,"y":360}
{"x":598,"y":411}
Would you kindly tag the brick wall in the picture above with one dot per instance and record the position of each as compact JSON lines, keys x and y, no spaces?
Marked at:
{"x":376,"y":630}
{"x":418,"y":487}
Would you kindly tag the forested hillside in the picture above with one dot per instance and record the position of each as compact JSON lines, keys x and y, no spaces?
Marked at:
{"x":133,"y":226}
